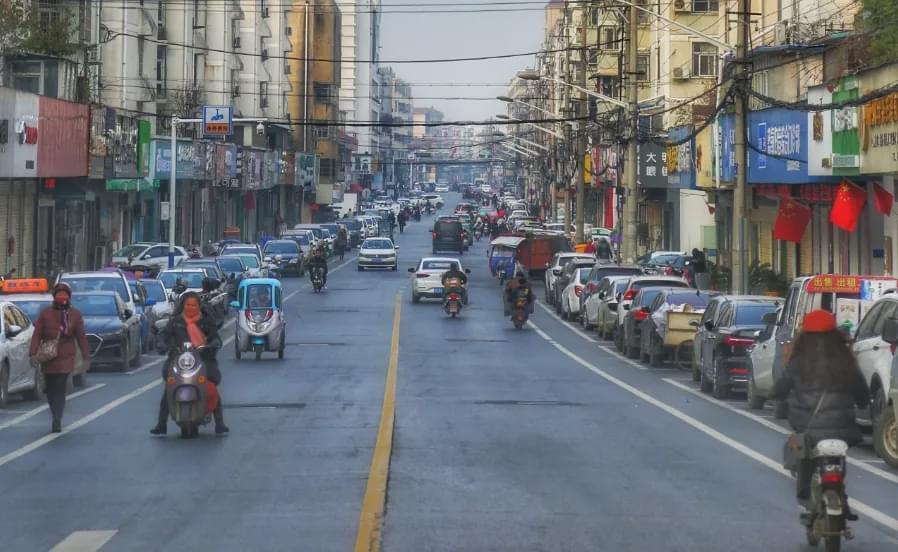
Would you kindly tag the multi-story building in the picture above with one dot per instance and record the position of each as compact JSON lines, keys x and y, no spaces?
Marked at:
{"x":360,"y":46}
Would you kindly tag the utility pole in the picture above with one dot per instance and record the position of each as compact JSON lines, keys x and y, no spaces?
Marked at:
{"x":631,"y":63}
{"x":738,"y":262}
{"x":579,"y":128}
{"x":565,"y":179}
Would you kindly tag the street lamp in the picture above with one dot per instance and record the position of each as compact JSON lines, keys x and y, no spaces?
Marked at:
{"x":530,"y":74}
{"x":513,"y":137}
{"x":506,"y":99}
{"x":547,"y":131}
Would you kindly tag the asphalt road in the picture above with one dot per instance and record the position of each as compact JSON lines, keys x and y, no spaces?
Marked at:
{"x":538,"y":439}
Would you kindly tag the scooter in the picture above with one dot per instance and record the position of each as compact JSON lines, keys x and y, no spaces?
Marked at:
{"x":452,"y":304}
{"x":478,"y":233}
{"x":827,"y":509}
{"x":317,"y":275}
{"x":191,"y":397}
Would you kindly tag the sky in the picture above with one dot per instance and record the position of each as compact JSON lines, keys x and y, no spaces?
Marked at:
{"x":415,"y":36}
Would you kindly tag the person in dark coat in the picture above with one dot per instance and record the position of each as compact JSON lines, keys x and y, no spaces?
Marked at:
{"x":822,"y":362}
{"x":190,"y":323}
{"x":701,"y":276}
{"x":63,"y":320}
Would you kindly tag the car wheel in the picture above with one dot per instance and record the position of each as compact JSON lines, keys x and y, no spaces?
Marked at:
{"x":656,"y":357}
{"x":36,"y":393}
{"x":415,"y":298}
{"x":703,"y":383}
{"x":720,"y":385}
{"x":885,"y":436}
{"x":4,"y":384}
{"x":619,"y":340}
{"x":755,"y":401}
{"x":780,"y":410}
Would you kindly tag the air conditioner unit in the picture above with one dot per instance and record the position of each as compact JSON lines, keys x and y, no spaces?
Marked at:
{"x":236,"y":43}
{"x":682,"y":5}
{"x":680,"y":73}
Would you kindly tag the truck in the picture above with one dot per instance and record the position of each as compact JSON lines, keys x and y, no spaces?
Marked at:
{"x":348,"y":206}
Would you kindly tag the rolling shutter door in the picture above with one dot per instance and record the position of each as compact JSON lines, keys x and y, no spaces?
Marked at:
{"x":27,"y":240}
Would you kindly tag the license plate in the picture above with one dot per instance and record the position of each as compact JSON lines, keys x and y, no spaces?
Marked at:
{"x":438,"y":291}
{"x":376,"y":260}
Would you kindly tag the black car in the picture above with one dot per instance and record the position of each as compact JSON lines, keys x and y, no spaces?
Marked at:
{"x":652,"y":348}
{"x":448,"y":235}
{"x":629,"y":335}
{"x":353,"y":229}
{"x":563,"y":279}
{"x":113,"y":331}
{"x":287,"y":255}
{"x":724,"y":362}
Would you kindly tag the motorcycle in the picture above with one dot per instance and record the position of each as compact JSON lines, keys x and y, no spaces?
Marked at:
{"x":191,"y":397}
{"x":520,"y":314}
{"x":828,"y":506}
{"x":478,"y":233}
{"x":453,"y":302}
{"x":317,"y":275}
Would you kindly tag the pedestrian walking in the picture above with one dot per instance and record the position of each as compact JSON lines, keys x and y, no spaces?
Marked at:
{"x":341,"y":242}
{"x":701,"y":276}
{"x":56,"y":344}
{"x":402,"y":218}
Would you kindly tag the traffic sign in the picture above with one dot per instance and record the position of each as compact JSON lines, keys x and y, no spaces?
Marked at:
{"x":218,"y":120}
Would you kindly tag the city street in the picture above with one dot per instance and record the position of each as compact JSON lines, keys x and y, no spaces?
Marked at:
{"x":541,"y":439}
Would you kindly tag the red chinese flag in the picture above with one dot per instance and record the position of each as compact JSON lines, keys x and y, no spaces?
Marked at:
{"x":884,"y":199}
{"x":791,"y":220}
{"x":847,"y":206}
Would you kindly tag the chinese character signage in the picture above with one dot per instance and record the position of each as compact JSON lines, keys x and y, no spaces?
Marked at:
{"x":161,"y":153}
{"x":778,"y":149}
{"x":879,"y":123}
{"x":727,"y":140}
{"x":652,"y":165}
{"x":225,"y":166}
{"x":680,"y":158}
{"x":218,"y":120}
{"x":835,"y":283}
{"x":306,"y":170}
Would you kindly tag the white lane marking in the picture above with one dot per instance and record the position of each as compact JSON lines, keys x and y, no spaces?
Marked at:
{"x":622,"y":358}
{"x":309,"y":284}
{"x":35,"y":411}
{"x":874,"y":514}
{"x":84,"y":541}
{"x":862,"y":464}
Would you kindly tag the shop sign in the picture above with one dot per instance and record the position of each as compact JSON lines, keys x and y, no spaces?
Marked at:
{"x":834,"y":283}
{"x":123,"y":146}
{"x":705,"y":162}
{"x":225,"y":167}
{"x":680,"y":162}
{"x":879,"y":138}
{"x":252,"y":169}
{"x":833,"y":138}
{"x":131,"y":185}
{"x":270,"y":169}
{"x":778,"y":152}
{"x":186,"y":159}
{"x":726,"y":128}
{"x":287,"y":167}
{"x":143,"y":147}
{"x":652,"y":165}
{"x":307,"y":170}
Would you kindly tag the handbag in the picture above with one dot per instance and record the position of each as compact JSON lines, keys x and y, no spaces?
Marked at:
{"x":798,"y":445}
{"x":47,"y":350}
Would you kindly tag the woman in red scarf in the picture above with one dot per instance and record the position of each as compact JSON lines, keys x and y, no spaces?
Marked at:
{"x":190,"y":323}
{"x":60,"y":321}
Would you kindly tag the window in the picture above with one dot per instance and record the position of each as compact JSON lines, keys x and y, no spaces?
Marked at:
{"x":608,"y":38}
{"x":263,"y":88}
{"x":704,"y":59}
{"x":160,"y":69}
{"x":642,"y":67}
{"x":870,"y":321}
{"x":608,"y":86}
{"x":322,"y":92}
{"x":27,"y":76}
{"x":705,"y":6}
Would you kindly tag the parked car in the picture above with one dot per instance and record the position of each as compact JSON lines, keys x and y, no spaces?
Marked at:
{"x":287,"y":254}
{"x":144,"y":309}
{"x":378,"y":253}
{"x":427,"y":277}
{"x":652,"y":348}
{"x":723,"y":342}
{"x":807,"y":293}
{"x":153,"y":256}
{"x":600,"y":311}
{"x":570,"y":297}
{"x":602,"y":269}
{"x":254,"y":268}
{"x":629,"y":335}
{"x":435,"y":199}
{"x":635,"y":283}
{"x":448,"y":234}
{"x":210,"y":263}
{"x":305,"y":239}
{"x":104,"y":281}
{"x":240,"y":248}
{"x":113,"y":330}
{"x":17,"y":375}
{"x":232,"y":266}
{"x":163,"y":306}
{"x":554,"y":268}
{"x":565,"y":278}
{"x":885,"y":427}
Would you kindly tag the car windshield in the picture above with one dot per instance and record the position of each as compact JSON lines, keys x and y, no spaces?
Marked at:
{"x":605,"y":271}
{"x":130,"y":250}
{"x":281,"y":248}
{"x":155,"y":290}
{"x":95,"y":305}
{"x":332,"y":228}
{"x":193,"y":280}
{"x":696,"y":300}
{"x":751,"y":315}
{"x":230,"y":264}
{"x":104,"y":283}
{"x":241,"y":250}
{"x":350,"y":224}
{"x":251,"y":261}
{"x":320,"y":233}
{"x":437,"y":265}
{"x":661,"y":260}
{"x":32,"y":307}
{"x":377,"y":244}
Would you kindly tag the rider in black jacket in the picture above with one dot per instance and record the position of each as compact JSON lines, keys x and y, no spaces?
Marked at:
{"x":457,"y":273}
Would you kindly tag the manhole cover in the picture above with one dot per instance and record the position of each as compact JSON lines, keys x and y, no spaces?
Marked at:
{"x":295,"y":406}
{"x":475,"y":340}
{"x":528,"y":403}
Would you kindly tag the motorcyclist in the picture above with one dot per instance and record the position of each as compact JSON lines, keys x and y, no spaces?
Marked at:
{"x":821,"y":371}
{"x":318,"y":260}
{"x":603,"y":249}
{"x":515,"y":288}
{"x":190,"y":323}
{"x":478,"y":224}
{"x":455,"y":272}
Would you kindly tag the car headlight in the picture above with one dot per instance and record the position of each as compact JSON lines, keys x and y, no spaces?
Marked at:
{"x":294,"y":260}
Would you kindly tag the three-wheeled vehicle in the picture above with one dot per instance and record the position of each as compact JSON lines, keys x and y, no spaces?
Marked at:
{"x":503,"y":254}
{"x":260,"y":319}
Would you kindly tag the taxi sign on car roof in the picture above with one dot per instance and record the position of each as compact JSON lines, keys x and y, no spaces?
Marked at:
{"x":840,"y":283}
{"x":25,"y":285}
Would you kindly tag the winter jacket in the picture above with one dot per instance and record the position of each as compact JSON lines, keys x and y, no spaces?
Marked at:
{"x":836,"y":417}
{"x":48,"y":326}
{"x":175,"y":335}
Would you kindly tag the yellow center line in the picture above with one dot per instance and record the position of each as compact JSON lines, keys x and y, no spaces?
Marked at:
{"x":371,"y":517}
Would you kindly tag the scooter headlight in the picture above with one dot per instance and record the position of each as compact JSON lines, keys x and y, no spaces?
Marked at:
{"x":186,"y":365}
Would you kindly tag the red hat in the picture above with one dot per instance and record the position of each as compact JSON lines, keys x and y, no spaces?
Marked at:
{"x":818,"y":321}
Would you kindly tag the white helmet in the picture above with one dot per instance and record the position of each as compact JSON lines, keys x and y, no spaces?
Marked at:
{"x":501,"y":221}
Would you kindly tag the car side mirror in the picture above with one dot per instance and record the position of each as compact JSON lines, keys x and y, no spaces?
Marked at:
{"x":769,"y":318}
{"x":127,"y":313}
{"x":412,"y":270}
{"x":234,"y":304}
{"x":890,"y":331}
{"x":13,"y":330}
{"x":397,"y":247}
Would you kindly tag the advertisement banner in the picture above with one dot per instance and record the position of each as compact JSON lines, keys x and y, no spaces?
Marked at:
{"x":680,"y":162}
{"x":287,"y":167}
{"x":727,"y":141}
{"x":225,"y":166}
{"x":778,"y":147}
{"x":143,"y":147}
{"x":652,"y":165}
{"x":123,"y":146}
{"x":306,"y":170}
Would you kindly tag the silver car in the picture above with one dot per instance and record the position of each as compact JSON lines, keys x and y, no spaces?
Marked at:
{"x":17,"y":375}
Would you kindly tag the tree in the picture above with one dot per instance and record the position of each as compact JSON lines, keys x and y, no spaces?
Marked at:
{"x":24,"y":29}
{"x":879,"y":18}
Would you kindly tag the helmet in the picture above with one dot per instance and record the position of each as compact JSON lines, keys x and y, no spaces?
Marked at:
{"x":62,"y":287}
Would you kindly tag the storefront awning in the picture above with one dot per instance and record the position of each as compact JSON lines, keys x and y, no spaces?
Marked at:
{"x":131,"y":185}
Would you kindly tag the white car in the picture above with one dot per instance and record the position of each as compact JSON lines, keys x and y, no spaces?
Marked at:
{"x":600,"y":308}
{"x":570,"y":296}
{"x":635,"y":283}
{"x":435,"y":199}
{"x":378,"y":253}
{"x":874,"y":355}
{"x":427,"y":277}
{"x":554,"y":268}
{"x":151,"y":255}
{"x":441,"y":188}
{"x":17,"y":375}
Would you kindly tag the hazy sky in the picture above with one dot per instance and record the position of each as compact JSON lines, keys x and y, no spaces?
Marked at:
{"x":444,"y":35}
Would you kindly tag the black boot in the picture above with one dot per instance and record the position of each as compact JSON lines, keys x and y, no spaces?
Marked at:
{"x":218,"y":415}
{"x":56,"y":426}
{"x":161,"y":427}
